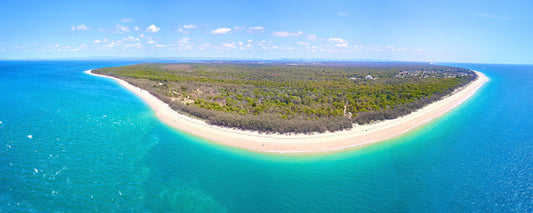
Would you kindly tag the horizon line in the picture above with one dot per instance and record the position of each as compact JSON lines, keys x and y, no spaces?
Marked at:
{"x":314,"y":59}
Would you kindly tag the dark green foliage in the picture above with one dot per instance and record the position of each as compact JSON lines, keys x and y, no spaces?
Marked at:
{"x":302,"y":98}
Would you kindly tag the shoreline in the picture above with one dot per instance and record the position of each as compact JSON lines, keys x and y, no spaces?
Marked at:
{"x":359,"y":135}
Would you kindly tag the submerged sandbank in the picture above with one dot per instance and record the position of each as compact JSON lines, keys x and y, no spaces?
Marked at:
{"x":302,"y":143}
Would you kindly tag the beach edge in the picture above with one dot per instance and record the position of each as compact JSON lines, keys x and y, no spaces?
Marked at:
{"x":359,"y":135}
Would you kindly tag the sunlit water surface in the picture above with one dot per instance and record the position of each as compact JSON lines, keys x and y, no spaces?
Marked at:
{"x":74,"y":142}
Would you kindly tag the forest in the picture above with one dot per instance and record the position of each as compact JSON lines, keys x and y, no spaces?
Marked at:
{"x":294,"y":97}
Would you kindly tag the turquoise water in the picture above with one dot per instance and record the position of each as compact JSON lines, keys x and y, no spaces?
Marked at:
{"x":95,"y":147}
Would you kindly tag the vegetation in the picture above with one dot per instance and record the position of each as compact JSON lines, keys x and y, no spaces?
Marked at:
{"x":294,"y":97}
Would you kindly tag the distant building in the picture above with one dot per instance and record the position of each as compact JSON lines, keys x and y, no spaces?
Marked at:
{"x":369,"y":77}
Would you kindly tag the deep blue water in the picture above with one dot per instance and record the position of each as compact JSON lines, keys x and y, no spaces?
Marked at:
{"x":96,"y":147}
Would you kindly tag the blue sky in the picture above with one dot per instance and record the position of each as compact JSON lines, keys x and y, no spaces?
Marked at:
{"x":437,"y":31}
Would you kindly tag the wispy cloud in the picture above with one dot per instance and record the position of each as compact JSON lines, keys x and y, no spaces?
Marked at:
{"x":114,"y":43}
{"x":137,"y":45}
{"x":229,"y":45}
{"x":189,"y":26}
{"x":119,"y":28}
{"x":239,"y":27}
{"x":204,"y":46}
{"x":490,"y":16}
{"x":184,"y":44}
{"x":311,"y":37}
{"x":222,"y":30}
{"x":256,"y":29}
{"x":79,"y":28}
{"x":124,"y":20}
{"x":184,"y":40}
{"x":185,"y":28}
{"x":287,"y":34}
{"x":505,"y":18}
{"x":152,"y":28}
{"x":130,"y":38}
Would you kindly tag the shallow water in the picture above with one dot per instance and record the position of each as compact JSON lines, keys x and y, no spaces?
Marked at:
{"x":94,"y":146}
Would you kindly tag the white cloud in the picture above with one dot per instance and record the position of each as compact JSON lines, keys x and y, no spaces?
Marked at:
{"x":189,"y":26}
{"x":342,"y":14}
{"x":126,"y":20}
{"x":160,"y":45}
{"x":185,"y":28}
{"x":142,"y":36}
{"x":336,"y":40}
{"x":69,"y":49}
{"x":256,"y":29}
{"x":152,"y":28}
{"x":96,"y":41}
{"x":240,"y":27}
{"x":184,"y":43}
{"x":121,"y":29}
{"x":222,"y":30}
{"x":138,"y":45}
{"x":286,"y":48}
{"x":136,"y":28}
{"x":228,"y":45}
{"x":287,"y":34}
{"x":79,"y":27}
{"x":281,"y":34}
{"x":204,"y":45}
{"x":151,"y":42}
{"x":184,"y":40}
{"x":130,"y":38}
{"x":263,"y":44}
{"x":303,"y":43}
{"x":339,"y":42}
{"x":113,"y":43}
{"x":341,"y":45}
{"x":311,"y":37}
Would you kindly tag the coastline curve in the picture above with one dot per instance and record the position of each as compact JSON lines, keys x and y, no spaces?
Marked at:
{"x":359,"y":135}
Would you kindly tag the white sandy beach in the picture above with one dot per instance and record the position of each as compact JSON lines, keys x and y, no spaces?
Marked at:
{"x":301,"y":143}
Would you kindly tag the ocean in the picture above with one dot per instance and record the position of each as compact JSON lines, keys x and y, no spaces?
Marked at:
{"x":71,"y":142}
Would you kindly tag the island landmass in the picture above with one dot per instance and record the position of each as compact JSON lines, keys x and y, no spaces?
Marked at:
{"x":297,"y":107}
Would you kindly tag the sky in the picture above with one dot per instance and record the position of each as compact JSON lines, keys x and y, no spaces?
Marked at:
{"x":433,"y":31}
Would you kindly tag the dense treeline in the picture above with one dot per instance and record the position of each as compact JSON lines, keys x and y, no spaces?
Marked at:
{"x":288,"y":97}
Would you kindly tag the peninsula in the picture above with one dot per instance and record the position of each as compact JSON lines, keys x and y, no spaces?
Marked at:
{"x":297,"y":107}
